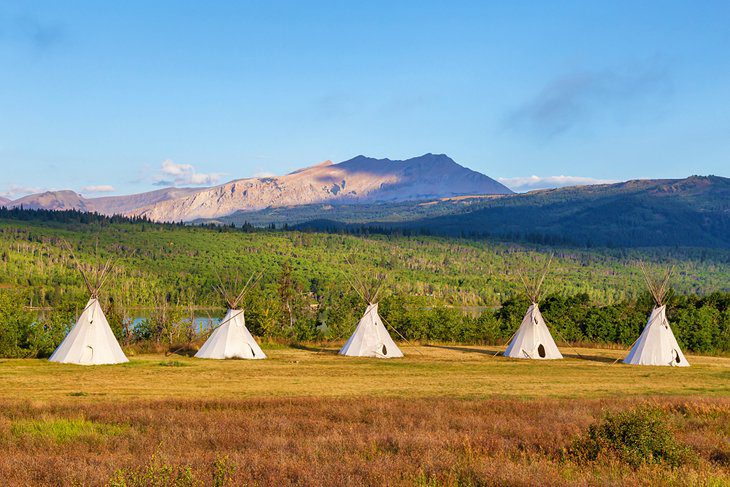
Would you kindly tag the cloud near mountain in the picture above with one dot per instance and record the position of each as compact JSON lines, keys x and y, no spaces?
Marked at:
{"x":173,"y":174}
{"x":529,"y":183}
{"x":101,"y":188}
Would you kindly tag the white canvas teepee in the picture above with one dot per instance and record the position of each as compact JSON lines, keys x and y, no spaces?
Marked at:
{"x":533,"y":339}
{"x":656,"y":344}
{"x":91,"y":340}
{"x":371,"y":338}
{"x":231,"y":339}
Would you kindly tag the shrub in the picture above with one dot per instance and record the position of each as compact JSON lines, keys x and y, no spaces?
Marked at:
{"x":158,"y":472}
{"x":15,"y":324}
{"x":223,"y":471}
{"x":635,"y":437}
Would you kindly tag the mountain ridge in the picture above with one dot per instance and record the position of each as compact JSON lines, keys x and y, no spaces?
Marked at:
{"x":693,"y":211}
{"x":360,"y":179}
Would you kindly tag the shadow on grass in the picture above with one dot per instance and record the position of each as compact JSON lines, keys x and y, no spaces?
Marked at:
{"x":492,"y":352}
{"x":183,"y":353}
{"x":591,"y":358}
{"x":497,"y":352}
{"x":325,"y":349}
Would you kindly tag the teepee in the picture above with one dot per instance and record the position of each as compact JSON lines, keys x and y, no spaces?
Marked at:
{"x":91,"y":340}
{"x":656,"y":344}
{"x":231,"y":338}
{"x":370,"y":338}
{"x":533,"y":339}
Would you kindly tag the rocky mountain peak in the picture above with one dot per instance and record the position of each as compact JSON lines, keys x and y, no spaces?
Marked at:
{"x":361,"y":179}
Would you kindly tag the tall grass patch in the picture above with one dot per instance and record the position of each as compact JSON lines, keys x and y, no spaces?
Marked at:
{"x":65,"y":430}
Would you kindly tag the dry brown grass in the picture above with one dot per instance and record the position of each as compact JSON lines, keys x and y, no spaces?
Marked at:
{"x":452,"y":416}
{"x":356,"y":441}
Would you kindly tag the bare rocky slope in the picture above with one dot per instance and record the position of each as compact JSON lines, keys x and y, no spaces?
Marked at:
{"x":358,"y":180}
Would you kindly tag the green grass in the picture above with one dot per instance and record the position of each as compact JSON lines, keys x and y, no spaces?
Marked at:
{"x":174,"y":363}
{"x":64,"y":430}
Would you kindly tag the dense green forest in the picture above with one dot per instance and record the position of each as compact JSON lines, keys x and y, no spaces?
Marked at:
{"x":689,"y":212}
{"x":434,"y":289}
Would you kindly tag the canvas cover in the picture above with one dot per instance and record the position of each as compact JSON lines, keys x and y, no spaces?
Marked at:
{"x":231,"y":340}
{"x":371,"y":338}
{"x":657,"y":344}
{"x":91,"y":340}
{"x":533,"y":339}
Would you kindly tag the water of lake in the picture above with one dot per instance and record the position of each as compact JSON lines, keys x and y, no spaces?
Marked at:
{"x":200,"y":323}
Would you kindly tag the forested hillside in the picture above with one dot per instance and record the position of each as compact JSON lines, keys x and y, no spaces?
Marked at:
{"x":304,"y":294}
{"x":646,"y":213}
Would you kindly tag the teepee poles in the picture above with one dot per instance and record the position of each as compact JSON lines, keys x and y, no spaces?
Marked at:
{"x":658,"y":287}
{"x":98,"y":274}
{"x":401,"y":335}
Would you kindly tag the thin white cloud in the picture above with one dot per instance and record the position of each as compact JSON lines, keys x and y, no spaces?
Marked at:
{"x":529,"y":183}
{"x":173,"y":174}
{"x":578,"y":97}
{"x":13,"y":191}
{"x":30,"y":30}
{"x":101,"y":188}
{"x":264,"y":174}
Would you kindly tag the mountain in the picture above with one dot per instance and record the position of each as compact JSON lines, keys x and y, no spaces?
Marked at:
{"x":108,"y":205}
{"x":4,"y":201}
{"x":359,"y":180}
{"x":53,"y":200}
{"x":643,"y":213}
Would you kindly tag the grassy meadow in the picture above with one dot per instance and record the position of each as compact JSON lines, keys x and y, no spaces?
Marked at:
{"x":427,"y":371}
{"x":443,"y":415}
{"x":452,"y":412}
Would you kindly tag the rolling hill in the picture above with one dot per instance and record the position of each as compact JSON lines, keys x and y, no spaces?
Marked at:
{"x":643,"y":213}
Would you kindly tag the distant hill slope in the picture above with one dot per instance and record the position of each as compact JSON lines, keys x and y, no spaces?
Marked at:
{"x":4,"y":201}
{"x":53,"y":200}
{"x":392,"y":212}
{"x":360,"y":180}
{"x":108,"y":205}
{"x":688,"y":212}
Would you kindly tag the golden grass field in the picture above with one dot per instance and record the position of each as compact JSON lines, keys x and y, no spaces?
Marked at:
{"x":444,"y":415}
{"x":426,"y":371}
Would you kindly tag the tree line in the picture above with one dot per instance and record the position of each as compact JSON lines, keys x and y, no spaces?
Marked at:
{"x":593,"y":295}
{"x":701,"y":325}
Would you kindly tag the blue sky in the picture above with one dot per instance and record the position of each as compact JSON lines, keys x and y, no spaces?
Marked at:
{"x":130,"y":95}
